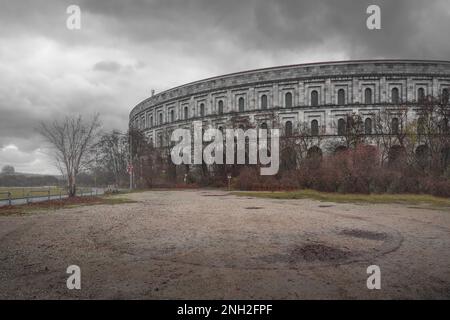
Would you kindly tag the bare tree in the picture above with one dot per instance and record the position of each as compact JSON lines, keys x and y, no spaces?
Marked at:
{"x":71,"y":141}
{"x":391,"y":131}
{"x":8,"y":169}
{"x":113,"y":156}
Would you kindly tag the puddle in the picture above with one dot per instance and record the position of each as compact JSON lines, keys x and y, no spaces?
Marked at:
{"x":310,"y":253}
{"x":364,"y":234}
{"x":318,"y":252}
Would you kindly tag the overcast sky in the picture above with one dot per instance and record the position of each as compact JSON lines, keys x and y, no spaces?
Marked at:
{"x":126,"y":48}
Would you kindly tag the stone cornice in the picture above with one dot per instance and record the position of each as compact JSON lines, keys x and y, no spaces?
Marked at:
{"x":296,"y":73}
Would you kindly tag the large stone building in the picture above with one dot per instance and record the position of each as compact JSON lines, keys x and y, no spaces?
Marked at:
{"x":318,"y":95}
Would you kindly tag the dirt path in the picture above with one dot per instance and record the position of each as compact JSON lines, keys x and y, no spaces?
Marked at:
{"x":209,"y":244}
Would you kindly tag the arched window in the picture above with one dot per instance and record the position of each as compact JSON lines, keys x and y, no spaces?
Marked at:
{"x":314,"y":98}
{"x":341,"y":127}
{"x":314,"y":128}
{"x":445,"y":96}
{"x":241,"y":103}
{"x":263,"y":125}
{"x":394,"y":95}
{"x":422,"y":155}
{"x":263,"y":101}
{"x":186,"y":112}
{"x":161,"y":118}
{"x":150,"y":123}
{"x":172,"y":115}
{"x":288,"y":100}
{"x":395,"y":154}
{"x":314,"y":153}
{"x":202,"y":110}
{"x":288,"y":128}
{"x":368,"y":96}
{"x":394,"y":126}
{"x":341,"y":97}
{"x":420,"y":94}
{"x":368,"y":126}
{"x":220,"y":107}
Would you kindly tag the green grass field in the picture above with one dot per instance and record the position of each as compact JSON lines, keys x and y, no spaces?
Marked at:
{"x":415,"y":199}
{"x":19,"y":192}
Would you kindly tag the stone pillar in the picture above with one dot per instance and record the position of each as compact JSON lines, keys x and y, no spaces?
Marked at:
{"x":327,"y":91}
{"x":356,"y":90}
{"x":409,"y":89}
{"x":275,"y":96}
{"x":251,"y":98}
{"x":435,"y":90}
{"x":301,"y":94}
{"x":382,"y":95}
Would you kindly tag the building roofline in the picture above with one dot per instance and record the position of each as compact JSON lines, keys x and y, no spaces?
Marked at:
{"x":309,"y":64}
{"x":337,"y":62}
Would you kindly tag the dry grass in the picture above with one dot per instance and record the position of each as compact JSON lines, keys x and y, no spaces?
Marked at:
{"x":19,"y":192}
{"x":53,"y":205}
{"x":415,"y":199}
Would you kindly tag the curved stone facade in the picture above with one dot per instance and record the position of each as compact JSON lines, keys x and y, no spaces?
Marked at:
{"x":313,"y":94}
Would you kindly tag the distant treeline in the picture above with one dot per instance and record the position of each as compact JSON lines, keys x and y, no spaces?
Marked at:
{"x":15,"y":180}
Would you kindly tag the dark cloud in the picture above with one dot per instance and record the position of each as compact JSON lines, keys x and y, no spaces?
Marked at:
{"x":127,"y":48}
{"x":108,"y":66}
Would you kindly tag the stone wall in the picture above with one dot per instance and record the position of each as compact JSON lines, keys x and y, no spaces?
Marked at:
{"x":166,"y":110}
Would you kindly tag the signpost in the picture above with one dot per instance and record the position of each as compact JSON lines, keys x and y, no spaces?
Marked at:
{"x":130,"y":172}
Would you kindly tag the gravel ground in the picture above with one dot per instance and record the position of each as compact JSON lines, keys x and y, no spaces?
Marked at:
{"x":208,"y":244}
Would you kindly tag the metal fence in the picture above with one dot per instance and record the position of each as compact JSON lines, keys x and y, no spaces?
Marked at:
{"x":42,"y":194}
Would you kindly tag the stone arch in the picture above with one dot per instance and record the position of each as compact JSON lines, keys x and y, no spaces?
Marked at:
{"x":241,"y":104}
{"x":368,"y":126}
{"x":202,"y":110}
{"x":395,"y":98}
{"x":314,"y":98}
{"x":395,"y":154}
{"x":314,"y":153}
{"x":341,"y":97}
{"x":445,"y":96}
{"x":394,"y":126}
{"x":288,"y":100}
{"x":341,"y":127}
{"x":420,"y":94}
{"x":264,"y":102}
{"x":314,"y":127}
{"x":422,"y":155}
{"x":368,"y":96}
{"x":288,"y":128}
